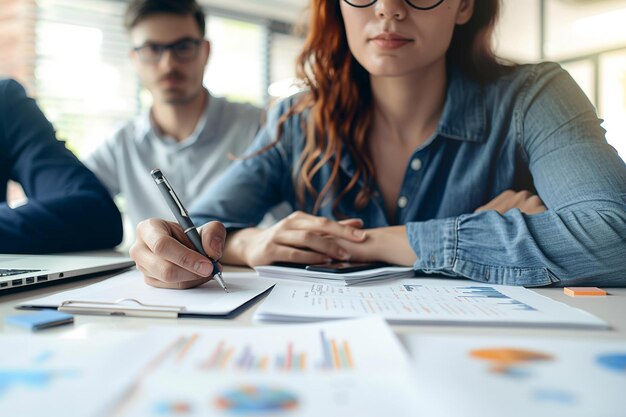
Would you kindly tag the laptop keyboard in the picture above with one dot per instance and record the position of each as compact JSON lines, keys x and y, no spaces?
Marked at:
{"x":11,"y":272}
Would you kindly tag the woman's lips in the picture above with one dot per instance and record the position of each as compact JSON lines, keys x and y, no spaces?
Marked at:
{"x":390,"y":41}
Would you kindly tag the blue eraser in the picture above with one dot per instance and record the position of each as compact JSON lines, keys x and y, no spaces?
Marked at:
{"x":40,"y":320}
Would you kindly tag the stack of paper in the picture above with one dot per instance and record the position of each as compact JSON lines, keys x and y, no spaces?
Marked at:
{"x":422,"y":301}
{"x":350,"y":278}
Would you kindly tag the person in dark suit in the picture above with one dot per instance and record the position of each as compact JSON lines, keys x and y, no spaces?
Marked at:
{"x":67,"y":209}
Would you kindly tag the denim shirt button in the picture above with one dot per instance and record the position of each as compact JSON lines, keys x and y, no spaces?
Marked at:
{"x":402,"y":202}
{"x":416,"y":164}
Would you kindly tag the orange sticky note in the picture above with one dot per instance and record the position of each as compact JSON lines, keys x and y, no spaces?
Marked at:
{"x":576,"y":291}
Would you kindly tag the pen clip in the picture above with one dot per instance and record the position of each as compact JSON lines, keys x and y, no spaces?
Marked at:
{"x":182,"y":210}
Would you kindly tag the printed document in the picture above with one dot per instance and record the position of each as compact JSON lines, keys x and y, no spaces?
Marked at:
{"x":421,"y":301}
{"x":518,"y":377}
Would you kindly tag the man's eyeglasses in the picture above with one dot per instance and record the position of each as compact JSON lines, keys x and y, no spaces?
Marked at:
{"x":184,"y":50}
{"x":416,"y":4}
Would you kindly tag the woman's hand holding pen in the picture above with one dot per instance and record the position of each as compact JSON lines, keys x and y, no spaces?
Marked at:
{"x":299,"y":238}
{"x":166,"y":257}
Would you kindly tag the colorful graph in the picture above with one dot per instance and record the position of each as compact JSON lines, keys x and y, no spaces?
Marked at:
{"x":554,"y":396}
{"x":615,"y":362}
{"x":252,"y":399}
{"x":335,"y":356}
{"x":172,"y":408}
{"x":508,"y":361}
{"x":31,"y":379}
{"x":490,"y":292}
{"x":476,"y":292}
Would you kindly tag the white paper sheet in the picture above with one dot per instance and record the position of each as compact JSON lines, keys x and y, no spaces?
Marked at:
{"x":208,"y":299}
{"x":514,"y":377}
{"x":198,"y":395}
{"x":350,"y":278}
{"x":422,"y":301}
{"x":303,"y":370}
{"x":49,"y":376}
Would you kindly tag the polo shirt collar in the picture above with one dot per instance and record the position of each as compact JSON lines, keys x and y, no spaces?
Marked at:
{"x":146,"y":128}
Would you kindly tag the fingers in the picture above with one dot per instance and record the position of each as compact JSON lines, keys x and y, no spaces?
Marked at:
{"x":347,"y":230}
{"x":294,"y":255}
{"x":174,"y":285}
{"x":524,"y":200}
{"x":166,"y":248}
{"x":168,"y":273}
{"x":160,"y":256}
{"x":533,"y":205}
{"x":213,"y":239}
{"x":312,"y":241}
{"x":356,"y":223}
{"x":502,"y":203}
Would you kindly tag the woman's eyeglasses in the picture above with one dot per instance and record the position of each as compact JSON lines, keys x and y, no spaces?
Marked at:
{"x":416,"y":4}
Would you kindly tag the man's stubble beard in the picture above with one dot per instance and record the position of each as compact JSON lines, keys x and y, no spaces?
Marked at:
{"x":181,"y":99}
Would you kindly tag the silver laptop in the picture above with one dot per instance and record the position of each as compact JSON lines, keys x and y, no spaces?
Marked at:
{"x":23,"y":270}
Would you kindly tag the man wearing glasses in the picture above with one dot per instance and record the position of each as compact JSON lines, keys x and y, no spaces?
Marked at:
{"x":188,"y":133}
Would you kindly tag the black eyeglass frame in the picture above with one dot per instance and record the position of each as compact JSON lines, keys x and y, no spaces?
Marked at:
{"x":170,"y":46}
{"x":437,"y":4}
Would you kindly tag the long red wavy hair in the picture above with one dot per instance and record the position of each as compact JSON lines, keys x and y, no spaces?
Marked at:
{"x":339,"y":98}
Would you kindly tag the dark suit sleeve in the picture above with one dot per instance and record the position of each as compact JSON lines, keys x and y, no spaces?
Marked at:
{"x":68,"y":209}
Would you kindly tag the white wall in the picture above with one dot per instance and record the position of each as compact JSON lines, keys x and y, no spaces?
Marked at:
{"x":518,"y":33}
{"x":284,"y":10}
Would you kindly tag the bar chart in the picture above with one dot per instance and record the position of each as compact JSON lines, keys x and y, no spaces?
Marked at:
{"x":328,"y":354}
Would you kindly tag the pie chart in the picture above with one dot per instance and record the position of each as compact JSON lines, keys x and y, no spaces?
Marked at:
{"x":253,"y":399}
{"x":615,"y":362}
{"x":508,"y":360}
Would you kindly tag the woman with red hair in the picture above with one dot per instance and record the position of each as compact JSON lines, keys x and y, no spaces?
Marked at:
{"x":413,"y":144}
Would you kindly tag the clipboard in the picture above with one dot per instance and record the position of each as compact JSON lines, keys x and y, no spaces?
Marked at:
{"x":127,"y":295}
{"x":120,"y":308}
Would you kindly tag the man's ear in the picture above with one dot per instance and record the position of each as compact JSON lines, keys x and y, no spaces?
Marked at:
{"x":465,"y":13}
{"x":206,"y":47}
{"x":134,"y":57}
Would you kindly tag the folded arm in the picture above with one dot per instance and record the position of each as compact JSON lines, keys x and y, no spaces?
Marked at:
{"x":579,"y":240}
{"x":67,"y":209}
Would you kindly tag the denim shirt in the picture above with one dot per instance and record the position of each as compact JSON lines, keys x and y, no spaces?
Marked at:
{"x":532,"y":129}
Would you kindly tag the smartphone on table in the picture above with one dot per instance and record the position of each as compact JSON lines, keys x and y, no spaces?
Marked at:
{"x":345,"y":267}
{"x":335,"y":267}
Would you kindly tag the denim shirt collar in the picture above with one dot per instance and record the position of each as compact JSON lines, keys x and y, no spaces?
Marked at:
{"x":464,"y":115}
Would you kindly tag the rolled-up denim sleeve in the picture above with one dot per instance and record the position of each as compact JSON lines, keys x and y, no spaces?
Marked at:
{"x":580,"y":239}
{"x":251,"y":186}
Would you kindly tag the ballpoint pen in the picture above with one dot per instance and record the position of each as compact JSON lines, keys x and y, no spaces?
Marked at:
{"x":184,"y":221}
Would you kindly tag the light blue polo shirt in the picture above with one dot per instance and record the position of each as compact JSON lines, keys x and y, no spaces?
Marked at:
{"x":124,"y":161}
